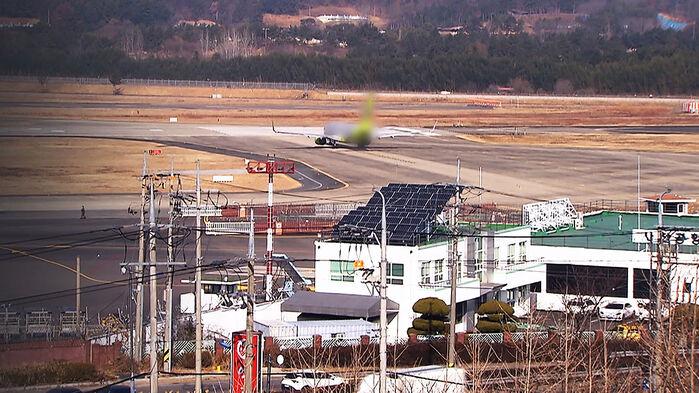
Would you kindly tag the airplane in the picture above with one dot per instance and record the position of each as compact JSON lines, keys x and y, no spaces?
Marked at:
{"x":360,"y":134}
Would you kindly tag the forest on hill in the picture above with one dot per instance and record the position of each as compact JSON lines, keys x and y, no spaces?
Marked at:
{"x":604,"y":47}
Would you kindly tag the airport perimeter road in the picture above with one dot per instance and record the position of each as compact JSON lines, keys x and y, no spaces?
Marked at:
{"x":50,"y":268}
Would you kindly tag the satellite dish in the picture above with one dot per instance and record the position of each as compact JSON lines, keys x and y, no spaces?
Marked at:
{"x":280,"y":360}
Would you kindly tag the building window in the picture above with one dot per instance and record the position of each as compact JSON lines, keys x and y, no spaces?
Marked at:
{"x":395,"y":273}
{"x":687,"y":287}
{"x":522,"y":251}
{"x":342,"y":271}
{"x":425,"y":273}
{"x":438,"y":270}
{"x":510,"y":254}
{"x":496,"y":256}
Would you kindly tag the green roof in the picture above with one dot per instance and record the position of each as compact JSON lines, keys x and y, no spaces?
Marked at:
{"x":601,"y":230}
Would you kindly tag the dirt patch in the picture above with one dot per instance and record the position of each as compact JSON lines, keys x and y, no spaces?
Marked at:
{"x":677,"y":143}
{"x":61,"y":166}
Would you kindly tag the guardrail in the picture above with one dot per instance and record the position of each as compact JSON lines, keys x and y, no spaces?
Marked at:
{"x":162,"y":82}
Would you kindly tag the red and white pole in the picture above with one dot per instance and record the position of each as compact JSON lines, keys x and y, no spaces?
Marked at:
{"x":270,"y":213}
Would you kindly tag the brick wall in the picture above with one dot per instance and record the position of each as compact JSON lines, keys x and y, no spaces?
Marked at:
{"x":78,"y":351}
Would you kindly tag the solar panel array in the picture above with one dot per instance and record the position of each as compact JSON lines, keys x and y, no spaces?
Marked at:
{"x":411,"y":210}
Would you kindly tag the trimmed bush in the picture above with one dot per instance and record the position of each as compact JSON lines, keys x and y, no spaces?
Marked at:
{"x":495,"y":307}
{"x":431,"y":306}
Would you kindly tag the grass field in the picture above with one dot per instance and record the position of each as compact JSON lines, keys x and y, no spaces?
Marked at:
{"x":677,"y":143}
{"x":60,"y":166}
{"x":289,"y":107}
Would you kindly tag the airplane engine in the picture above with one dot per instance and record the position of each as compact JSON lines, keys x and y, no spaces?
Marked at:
{"x":321,"y":141}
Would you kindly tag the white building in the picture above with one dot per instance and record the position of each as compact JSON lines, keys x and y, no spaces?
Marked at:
{"x":492,"y":263}
{"x":600,"y":258}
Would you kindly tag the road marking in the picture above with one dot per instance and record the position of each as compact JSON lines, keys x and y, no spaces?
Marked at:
{"x":58,"y":131}
{"x":155,"y":129}
{"x":16,"y":251}
{"x":320,"y":185}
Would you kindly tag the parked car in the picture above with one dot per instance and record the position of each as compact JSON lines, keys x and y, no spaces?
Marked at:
{"x":308,"y":380}
{"x":581,"y":306}
{"x":616,"y":311}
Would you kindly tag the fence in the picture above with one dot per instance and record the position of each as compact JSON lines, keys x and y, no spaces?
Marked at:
{"x":485,"y":338}
{"x":164,"y":82}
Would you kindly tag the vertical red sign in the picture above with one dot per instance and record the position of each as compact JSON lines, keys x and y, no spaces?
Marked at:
{"x":238,"y":368}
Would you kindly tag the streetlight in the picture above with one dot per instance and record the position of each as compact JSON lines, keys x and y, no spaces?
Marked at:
{"x":382,"y":294}
{"x":660,"y":206}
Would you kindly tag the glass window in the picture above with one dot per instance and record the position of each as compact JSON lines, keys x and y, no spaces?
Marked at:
{"x":425,"y":272}
{"x":439,"y":270}
{"x":395,"y":273}
{"x":342,"y":271}
{"x":496,"y":255}
{"x":522,"y":251}
{"x":510,"y":253}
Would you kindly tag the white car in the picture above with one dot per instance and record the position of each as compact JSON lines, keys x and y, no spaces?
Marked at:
{"x":309,"y":380}
{"x":616,"y":311}
{"x":581,"y":306}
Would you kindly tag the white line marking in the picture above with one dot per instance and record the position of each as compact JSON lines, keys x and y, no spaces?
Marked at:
{"x":58,"y":131}
{"x":314,"y":181}
{"x":155,"y":129}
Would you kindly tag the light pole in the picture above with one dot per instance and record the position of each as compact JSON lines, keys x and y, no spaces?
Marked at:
{"x":660,"y":206}
{"x":382,"y":294}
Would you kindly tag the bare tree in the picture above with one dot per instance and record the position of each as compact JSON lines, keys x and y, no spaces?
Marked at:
{"x":236,"y":44}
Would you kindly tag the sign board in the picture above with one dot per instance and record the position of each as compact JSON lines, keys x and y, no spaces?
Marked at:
{"x":238,"y":369}
{"x":646,"y":236}
{"x":155,"y":152}
{"x":287,"y":167}
{"x":222,"y":179}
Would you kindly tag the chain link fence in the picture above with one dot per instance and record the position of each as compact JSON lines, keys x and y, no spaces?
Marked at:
{"x":161,"y":82}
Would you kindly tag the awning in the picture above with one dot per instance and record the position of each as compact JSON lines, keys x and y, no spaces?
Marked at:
{"x":488,"y":287}
{"x":337,"y":304}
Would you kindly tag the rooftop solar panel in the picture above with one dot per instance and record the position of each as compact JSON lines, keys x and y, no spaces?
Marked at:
{"x":411,"y":211}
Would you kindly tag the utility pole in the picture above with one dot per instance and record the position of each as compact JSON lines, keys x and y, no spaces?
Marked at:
{"x":656,"y":379}
{"x":77,"y":295}
{"x":197,"y":289}
{"x":138,"y":353}
{"x":153,"y":297}
{"x":383,"y":320}
{"x":250,"y":322}
{"x":453,"y":250}
{"x":168,"y":288}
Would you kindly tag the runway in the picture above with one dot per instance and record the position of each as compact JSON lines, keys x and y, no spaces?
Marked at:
{"x":529,"y":173}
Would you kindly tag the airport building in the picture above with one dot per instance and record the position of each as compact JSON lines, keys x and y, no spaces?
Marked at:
{"x":493,"y":262}
{"x":611,"y":255}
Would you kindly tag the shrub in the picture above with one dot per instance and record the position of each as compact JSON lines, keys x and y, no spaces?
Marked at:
{"x":50,"y":373}
{"x":188,"y":360}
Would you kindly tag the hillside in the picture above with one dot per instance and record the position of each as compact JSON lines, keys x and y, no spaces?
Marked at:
{"x":605,"y":46}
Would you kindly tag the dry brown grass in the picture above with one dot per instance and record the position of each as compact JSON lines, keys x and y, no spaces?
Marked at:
{"x":678,"y":143}
{"x":259,"y":106}
{"x":55,"y":166}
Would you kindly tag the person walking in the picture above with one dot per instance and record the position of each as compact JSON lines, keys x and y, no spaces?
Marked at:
{"x":82,"y":213}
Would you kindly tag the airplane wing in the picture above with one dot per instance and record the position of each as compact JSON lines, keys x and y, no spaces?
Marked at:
{"x":307,"y":132}
{"x":393,"y":132}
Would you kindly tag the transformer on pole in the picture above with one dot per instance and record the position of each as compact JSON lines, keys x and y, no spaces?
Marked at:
{"x":270,"y":167}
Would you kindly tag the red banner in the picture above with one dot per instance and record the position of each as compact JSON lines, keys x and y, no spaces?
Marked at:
{"x":238,"y":368}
